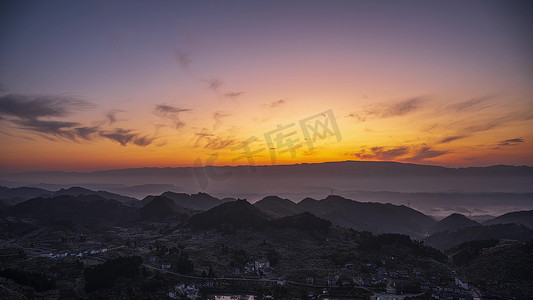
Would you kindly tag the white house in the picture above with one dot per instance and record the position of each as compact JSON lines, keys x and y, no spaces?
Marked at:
{"x":461,"y":283}
{"x":262,"y":264}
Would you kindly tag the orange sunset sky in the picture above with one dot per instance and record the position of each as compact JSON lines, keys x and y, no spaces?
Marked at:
{"x":110,"y":84}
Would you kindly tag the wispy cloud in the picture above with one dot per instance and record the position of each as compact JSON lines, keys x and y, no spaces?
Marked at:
{"x":41,"y":115}
{"x":58,"y":129}
{"x":88,"y":133}
{"x":412,"y":153}
{"x":207,"y":140}
{"x":172,"y":113}
{"x":34,"y":107}
{"x":381,"y":153}
{"x":511,"y":142}
{"x":218,"y":116}
{"x":233,"y":95}
{"x":277,"y":103}
{"x":183,"y":58}
{"x":126,"y":136}
{"x":426,"y":152}
{"x":485,"y":125}
{"x":111,"y":116}
{"x":397,"y":109}
{"x":213,"y":84}
{"x":452,"y":138}
{"x":219,"y":142}
{"x":477,"y":103}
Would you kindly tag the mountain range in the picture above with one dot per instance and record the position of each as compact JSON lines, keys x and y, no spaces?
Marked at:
{"x":205,"y":211}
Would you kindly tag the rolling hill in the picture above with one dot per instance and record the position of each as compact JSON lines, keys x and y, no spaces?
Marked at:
{"x":452,"y":222}
{"x":375,"y":217}
{"x":447,"y":239}
{"x":239,"y":214}
{"x":519,"y":217}
{"x":162,"y":208}
{"x":78,"y":209}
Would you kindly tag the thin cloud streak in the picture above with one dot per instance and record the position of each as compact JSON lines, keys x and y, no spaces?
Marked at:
{"x":172,"y":113}
{"x":383,"y":111}
{"x":511,"y":142}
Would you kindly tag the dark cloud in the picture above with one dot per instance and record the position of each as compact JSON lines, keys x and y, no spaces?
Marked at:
{"x":451,"y":139}
{"x":36,"y":114}
{"x":388,"y":110}
{"x":57,"y":129}
{"x":511,"y":142}
{"x":413,"y":153}
{"x":127,"y":136}
{"x":34,"y":107}
{"x":381,"y":153}
{"x":427,"y":152}
{"x":112,"y":116}
{"x":87,"y":133}
{"x":143,"y":141}
{"x":171,"y":113}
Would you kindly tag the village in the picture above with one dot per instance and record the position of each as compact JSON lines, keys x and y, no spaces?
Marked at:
{"x":191,"y":265}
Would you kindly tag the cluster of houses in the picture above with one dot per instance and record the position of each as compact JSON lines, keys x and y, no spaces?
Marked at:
{"x":189,"y":291}
{"x":259,"y":266}
{"x":73,"y":254}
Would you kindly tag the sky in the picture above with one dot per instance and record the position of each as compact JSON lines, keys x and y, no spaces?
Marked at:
{"x":91,"y":85}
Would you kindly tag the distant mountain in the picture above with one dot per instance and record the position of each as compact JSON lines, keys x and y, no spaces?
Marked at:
{"x":78,"y":209}
{"x":452,"y":222}
{"x":162,"y":208}
{"x":194,"y":202}
{"x":79,"y":191}
{"x":375,"y":217}
{"x":277,"y":206}
{"x":447,"y":239}
{"x":314,"y":178}
{"x":239,"y":214}
{"x":518,"y":217}
{"x":482,"y":218}
{"x":143,"y":190}
{"x":12,"y":196}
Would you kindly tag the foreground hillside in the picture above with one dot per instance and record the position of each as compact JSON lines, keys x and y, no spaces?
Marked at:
{"x":56,"y":246}
{"x":447,"y":239}
{"x":501,"y":268}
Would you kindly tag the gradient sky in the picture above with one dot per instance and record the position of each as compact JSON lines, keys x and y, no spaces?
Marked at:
{"x":87,"y":85}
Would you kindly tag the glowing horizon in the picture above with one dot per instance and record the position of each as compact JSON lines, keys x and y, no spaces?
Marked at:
{"x":108,"y":85}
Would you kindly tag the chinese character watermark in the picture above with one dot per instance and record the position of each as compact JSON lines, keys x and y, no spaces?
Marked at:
{"x":283,"y":139}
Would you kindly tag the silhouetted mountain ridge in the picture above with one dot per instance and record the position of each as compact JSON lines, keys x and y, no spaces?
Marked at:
{"x":162,"y":208}
{"x":78,"y":209}
{"x":453,"y":222}
{"x":447,"y":239}
{"x":375,"y":217}
{"x":518,"y":217}
{"x":239,"y":214}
